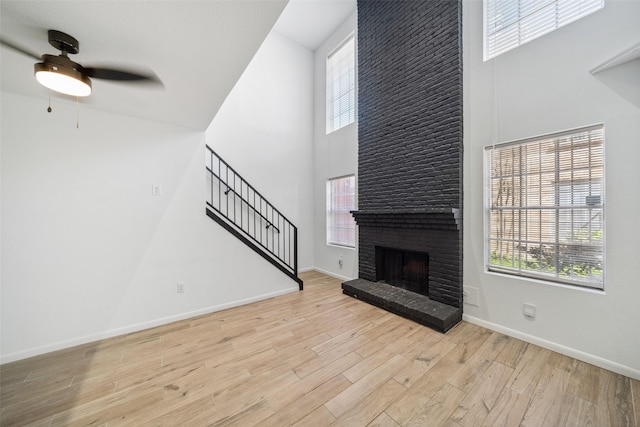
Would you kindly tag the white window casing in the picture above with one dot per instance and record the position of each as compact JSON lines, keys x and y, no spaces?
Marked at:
{"x":341,"y":83}
{"x":341,"y":200}
{"x":511,"y":23}
{"x":545,"y":207}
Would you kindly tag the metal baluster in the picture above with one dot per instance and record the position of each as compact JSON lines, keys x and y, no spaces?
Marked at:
{"x":219,"y":185}
{"x":260,"y":199}
{"x":211,"y":175}
{"x":295,"y":251}
{"x":289,"y":244}
{"x":227,"y":192}
{"x":241,"y":203}
{"x":266,"y":215}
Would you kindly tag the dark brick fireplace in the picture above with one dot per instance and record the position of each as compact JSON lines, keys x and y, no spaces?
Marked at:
{"x":403,"y":268}
{"x":410,"y":153}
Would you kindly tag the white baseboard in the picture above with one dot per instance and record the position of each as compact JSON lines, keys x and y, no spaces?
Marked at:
{"x":332,"y":274}
{"x":35,"y":351}
{"x":558,"y":348}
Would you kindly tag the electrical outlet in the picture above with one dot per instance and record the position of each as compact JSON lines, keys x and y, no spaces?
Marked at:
{"x":180,"y":287}
{"x":471,"y":295}
{"x":156,"y":190}
{"x":529,"y":310}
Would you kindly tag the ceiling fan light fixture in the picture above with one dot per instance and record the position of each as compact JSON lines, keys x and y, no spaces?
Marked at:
{"x":61,"y":74}
{"x":62,"y":79}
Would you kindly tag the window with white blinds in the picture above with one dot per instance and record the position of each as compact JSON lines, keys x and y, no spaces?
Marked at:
{"x":511,"y":23}
{"x":341,"y":86}
{"x":545,"y":207}
{"x":341,"y":200}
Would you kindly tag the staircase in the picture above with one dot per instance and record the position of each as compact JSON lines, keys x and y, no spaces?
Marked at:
{"x":244,"y":212}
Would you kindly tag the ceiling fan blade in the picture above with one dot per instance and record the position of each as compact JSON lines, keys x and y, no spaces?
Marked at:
{"x":18,"y":48}
{"x":119,"y":75}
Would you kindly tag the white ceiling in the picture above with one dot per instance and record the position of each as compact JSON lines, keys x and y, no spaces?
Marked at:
{"x":309,"y":22}
{"x":198,"y":48}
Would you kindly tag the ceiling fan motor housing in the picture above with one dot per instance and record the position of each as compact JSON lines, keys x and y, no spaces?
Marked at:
{"x":63,"y":42}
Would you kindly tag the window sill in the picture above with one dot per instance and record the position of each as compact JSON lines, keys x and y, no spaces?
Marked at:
{"x":334,"y":245}
{"x":546,"y":282}
{"x":342,"y":129}
{"x":628,"y":55}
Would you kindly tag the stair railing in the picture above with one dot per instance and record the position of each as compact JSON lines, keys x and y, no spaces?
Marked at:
{"x":242,"y":210}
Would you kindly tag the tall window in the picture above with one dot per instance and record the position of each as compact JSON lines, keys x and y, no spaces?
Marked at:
{"x":545,"y":207}
{"x":341,"y":86}
{"x":341,"y":200}
{"x":511,"y":23}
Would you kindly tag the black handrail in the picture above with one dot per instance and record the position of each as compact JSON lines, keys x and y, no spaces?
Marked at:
{"x":231,"y":190}
{"x":242,"y":210}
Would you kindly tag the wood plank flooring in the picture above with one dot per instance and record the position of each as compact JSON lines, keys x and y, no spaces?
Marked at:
{"x":312,"y":358}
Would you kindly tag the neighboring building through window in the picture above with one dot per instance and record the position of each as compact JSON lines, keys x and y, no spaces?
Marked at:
{"x":341,"y":200}
{"x":545,"y":207}
{"x":341,"y":86}
{"x":511,"y":23}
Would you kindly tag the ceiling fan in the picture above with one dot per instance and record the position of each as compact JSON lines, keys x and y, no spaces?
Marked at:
{"x":61,"y":74}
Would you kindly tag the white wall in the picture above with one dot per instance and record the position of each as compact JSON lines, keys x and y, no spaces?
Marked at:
{"x":264,"y":131}
{"x":542,"y":87}
{"x":87,"y":251}
{"x":335,"y":155}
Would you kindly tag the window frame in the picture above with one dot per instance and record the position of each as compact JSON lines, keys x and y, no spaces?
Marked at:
{"x":527,"y":21}
{"x":570,"y":242}
{"x":348,"y":223}
{"x":335,"y":120}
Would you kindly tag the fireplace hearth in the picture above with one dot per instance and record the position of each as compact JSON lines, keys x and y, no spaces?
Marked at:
{"x":410,"y":305}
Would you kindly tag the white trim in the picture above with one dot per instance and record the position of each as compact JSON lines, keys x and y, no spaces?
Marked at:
{"x":35,"y":351}
{"x":330,"y":71}
{"x":623,"y":57}
{"x":539,"y":281}
{"x":331,"y":210}
{"x":332,"y":274}
{"x":335,"y":245}
{"x":553,"y":277}
{"x":547,"y":135}
{"x":528,"y":23}
{"x":558,"y":348}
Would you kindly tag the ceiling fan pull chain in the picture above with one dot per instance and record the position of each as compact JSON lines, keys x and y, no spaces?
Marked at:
{"x":49,"y":108}
{"x":77,"y":112}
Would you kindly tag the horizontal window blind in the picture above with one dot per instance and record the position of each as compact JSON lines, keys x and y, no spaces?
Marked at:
{"x":511,"y":23}
{"x":545,"y":207}
{"x":341,"y":86}
{"x":341,"y":197}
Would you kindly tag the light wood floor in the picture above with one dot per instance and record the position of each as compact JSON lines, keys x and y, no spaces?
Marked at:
{"x":313,"y":358}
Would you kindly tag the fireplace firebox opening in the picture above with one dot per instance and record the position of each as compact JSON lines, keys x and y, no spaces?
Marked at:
{"x":408,"y":270}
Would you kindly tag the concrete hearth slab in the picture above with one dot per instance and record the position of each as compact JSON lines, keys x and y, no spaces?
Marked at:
{"x":410,"y":305}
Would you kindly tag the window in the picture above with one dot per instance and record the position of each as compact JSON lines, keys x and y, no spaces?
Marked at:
{"x":511,"y":23}
{"x":341,"y":84}
{"x":545,"y":207}
{"x":341,"y":198}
